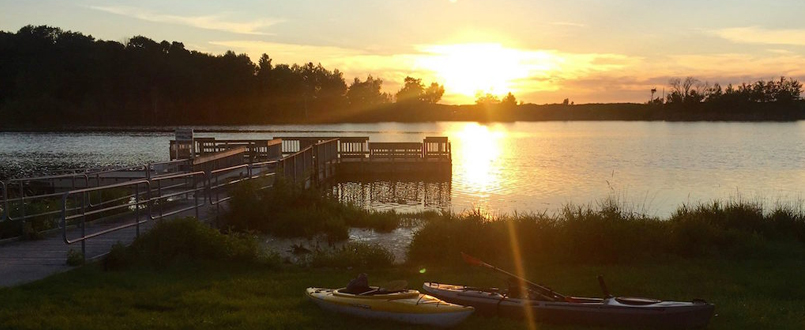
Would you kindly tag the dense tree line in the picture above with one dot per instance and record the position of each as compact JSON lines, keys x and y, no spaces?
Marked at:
{"x":50,"y":78}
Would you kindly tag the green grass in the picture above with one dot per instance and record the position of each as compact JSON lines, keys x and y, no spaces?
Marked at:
{"x":749,"y":294}
{"x":747,"y":260}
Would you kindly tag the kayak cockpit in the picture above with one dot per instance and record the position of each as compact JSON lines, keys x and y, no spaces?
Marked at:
{"x":377,"y":293}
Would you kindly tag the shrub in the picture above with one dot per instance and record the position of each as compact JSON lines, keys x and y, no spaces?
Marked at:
{"x":285,"y":210}
{"x":74,"y":258}
{"x":184,"y":239}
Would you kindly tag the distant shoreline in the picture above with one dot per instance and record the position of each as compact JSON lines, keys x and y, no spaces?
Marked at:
{"x":468,"y":113}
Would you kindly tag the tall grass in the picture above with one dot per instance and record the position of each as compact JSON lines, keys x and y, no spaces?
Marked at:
{"x":353,"y":255}
{"x":607,"y":233}
{"x":285,"y":210}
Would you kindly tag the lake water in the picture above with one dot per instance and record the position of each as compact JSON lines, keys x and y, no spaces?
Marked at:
{"x":651,"y":167}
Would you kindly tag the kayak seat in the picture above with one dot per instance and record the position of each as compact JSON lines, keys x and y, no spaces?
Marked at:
{"x":357,"y":290}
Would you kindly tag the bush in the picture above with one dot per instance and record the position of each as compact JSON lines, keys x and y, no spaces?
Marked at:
{"x":285,"y":210}
{"x":74,"y":258}
{"x":184,"y":239}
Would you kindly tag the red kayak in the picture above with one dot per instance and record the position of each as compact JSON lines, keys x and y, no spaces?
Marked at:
{"x":546,"y":305}
{"x":613,"y":311}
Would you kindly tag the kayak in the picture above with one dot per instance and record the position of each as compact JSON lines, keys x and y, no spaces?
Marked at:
{"x":611,"y":311}
{"x":409,"y":306}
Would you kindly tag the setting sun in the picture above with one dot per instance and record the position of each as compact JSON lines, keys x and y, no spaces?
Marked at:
{"x":467,"y":69}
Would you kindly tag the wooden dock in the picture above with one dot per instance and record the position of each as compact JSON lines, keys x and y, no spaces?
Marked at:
{"x":195,"y":182}
{"x":354,"y":156}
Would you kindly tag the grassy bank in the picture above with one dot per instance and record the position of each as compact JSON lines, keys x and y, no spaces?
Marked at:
{"x":746,"y":259}
{"x":749,"y":294}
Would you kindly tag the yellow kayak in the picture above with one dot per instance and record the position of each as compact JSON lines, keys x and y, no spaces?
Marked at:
{"x":407,"y":306}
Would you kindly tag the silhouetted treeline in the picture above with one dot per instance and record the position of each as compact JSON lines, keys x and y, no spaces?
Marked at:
{"x":50,"y":78}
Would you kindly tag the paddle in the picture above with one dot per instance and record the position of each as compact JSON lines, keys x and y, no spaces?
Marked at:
{"x":604,"y":287}
{"x":547,"y":292}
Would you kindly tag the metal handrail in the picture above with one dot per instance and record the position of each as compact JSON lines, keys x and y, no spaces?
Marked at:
{"x":267,"y":165}
{"x":195,"y":190}
{"x":217,"y":187}
{"x":84,"y":213}
{"x":150,"y":166}
{"x":4,"y":214}
{"x":48,"y":177}
{"x":97,"y":177}
{"x":22,"y":198}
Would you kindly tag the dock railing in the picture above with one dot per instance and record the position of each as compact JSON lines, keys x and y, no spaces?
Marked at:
{"x":194,"y":184}
{"x":353,"y":147}
{"x":168,"y":167}
{"x":83,"y":210}
{"x":4,"y":211}
{"x":19,"y":195}
{"x":394,"y":150}
{"x":436,"y":147}
{"x":225,"y":179}
{"x":325,"y":154}
{"x":298,"y":167}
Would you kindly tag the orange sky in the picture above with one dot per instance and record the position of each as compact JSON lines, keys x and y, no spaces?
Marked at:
{"x":542,"y":51}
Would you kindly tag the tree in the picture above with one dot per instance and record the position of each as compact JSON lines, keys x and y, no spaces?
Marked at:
{"x":509,"y":101}
{"x":411,"y":91}
{"x":433,"y":94}
{"x":366,"y":94}
{"x":688,"y":91}
{"x":486,"y":99}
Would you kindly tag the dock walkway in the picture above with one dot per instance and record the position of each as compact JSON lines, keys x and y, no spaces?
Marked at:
{"x":25,"y":261}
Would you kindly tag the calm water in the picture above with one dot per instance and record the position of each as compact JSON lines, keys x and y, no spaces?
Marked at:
{"x":653,"y":167}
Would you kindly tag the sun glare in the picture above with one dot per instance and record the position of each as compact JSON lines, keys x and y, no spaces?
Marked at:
{"x":468,"y":69}
{"x":479,"y":149}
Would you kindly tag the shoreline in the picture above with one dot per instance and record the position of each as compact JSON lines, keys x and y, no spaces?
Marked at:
{"x":243,"y":128}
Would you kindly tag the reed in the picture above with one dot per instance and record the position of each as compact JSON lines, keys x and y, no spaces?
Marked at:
{"x":606,"y":233}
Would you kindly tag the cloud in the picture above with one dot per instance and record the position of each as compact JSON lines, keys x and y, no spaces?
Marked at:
{"x":210,"y":22}
{"x":759,"y":35}
{"x":743,"y":65}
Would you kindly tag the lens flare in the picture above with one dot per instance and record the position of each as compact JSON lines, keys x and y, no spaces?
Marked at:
{"x":519,"y":270}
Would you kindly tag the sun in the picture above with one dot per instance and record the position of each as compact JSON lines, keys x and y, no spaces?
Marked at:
{"x":468,"y":69}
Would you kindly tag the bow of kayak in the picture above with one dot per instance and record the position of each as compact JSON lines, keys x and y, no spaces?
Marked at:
{"x":408,"y":306}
